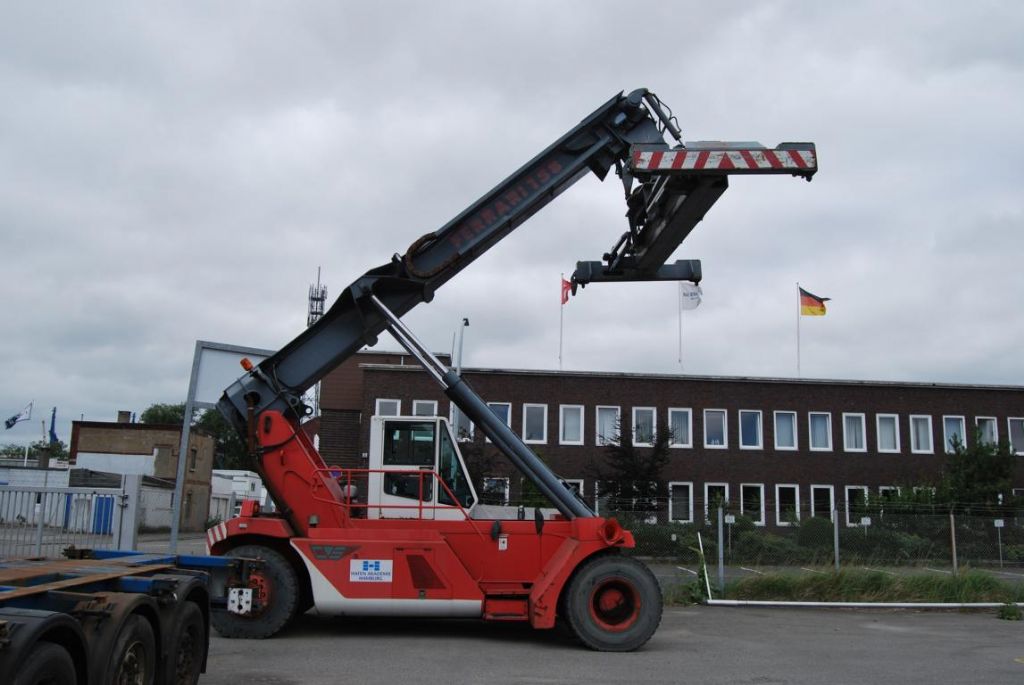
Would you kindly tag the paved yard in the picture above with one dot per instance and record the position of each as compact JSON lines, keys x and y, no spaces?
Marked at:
{"x":695,"y":645}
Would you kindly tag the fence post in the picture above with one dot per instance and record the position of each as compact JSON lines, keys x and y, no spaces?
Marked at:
{"x":952,"y":537}
{"x":126,"y":536}
{"x":721,"y":555}
{"x":41,"y":520}
{"x":835,"y":536}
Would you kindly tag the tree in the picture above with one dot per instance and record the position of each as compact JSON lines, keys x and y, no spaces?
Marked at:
{"x":229,"y":449}
{"x":57,"y":450}
{"x":980,"y":475}
{"x":631,"y":475}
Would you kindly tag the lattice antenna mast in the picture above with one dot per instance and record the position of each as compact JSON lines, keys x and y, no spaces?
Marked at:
{"x":317,"y":298}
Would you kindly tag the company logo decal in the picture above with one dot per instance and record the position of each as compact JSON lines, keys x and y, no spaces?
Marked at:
{"x":370,"y":570}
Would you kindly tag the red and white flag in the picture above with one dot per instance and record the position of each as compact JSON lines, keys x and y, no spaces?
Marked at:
{"x":566,"y":289}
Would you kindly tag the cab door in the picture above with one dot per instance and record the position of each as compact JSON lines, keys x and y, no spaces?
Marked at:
{"x":403,"y":464}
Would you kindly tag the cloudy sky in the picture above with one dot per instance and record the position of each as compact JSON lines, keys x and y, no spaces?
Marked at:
{"x":176,"y":173}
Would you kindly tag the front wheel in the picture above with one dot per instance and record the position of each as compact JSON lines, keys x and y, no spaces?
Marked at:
{"x":613,"y":604}
{"x":275,"y":596}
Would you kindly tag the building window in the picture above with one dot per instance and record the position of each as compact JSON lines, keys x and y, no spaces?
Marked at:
{"x":752,"y":502}
{"x":988,"y":433}
{"x":193,"y":458}
{"x":574,"y":484}
{"x":888,"y":432}
{"x":820,"y":427}
{"x":1016,"y":429}
{"x":715,"y":495}
{"x":856,"y":504}
{"x":953,"y":428}
{"x":607,"y":426}
{"x":715,"y":434}
{"x":680,"y":422}
{"x":787,"y":505}
{"x":888,"y":493}
{"x":750,"y":429}
{"x":680,"y":502}
{"x":645,"y":424}
{"x":503,"y":410}
{"x":188,"y":505}
{"x":424,"y":407}
{"x":535,"y":424}
{"x":785,"y":430}
{"x":853,"y":433}
{"x":461,"y":424}
{"x":921,"y":435}
{"x":495,"y":491}
{"x":822,"y":501}
{"x":570,"y":424}
{"x":388,"y":408}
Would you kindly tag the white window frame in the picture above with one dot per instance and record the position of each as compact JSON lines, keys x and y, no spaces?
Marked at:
{"x":654,"y":425}
{"x":398,"y":404}
{"x":598,"y":439}
{"x":863,"y":432}
{"x":882,"y":489}
{"x":742,"y":511}
{"x":775,"y":431}
{"x":507,"y":486}
{"x":431,"y":403}
{"x":995,"y":426}
{"x":725,"y":430}
{"x":778,"y":504}
{"x":578,"y":482}
{"x":878,"y":432}
{"x":1016,"y":449}
{"x":917,"y":449}
{"x":810,"y":431}
{"x":468,"y":437}
{"x":561,"y":423}
{"x":671,"y":514}
{"x":760,"y":429}
{"x":831,"y":500}
{"x":707,"y":497}
{"x":689,"y":424}
{"x":846,"y":498}
{"x":945,"y":433}
{"x":526,"y":407}
{"x":508,"y":415}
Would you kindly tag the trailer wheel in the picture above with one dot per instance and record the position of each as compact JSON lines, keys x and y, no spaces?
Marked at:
{"x":613,"y":604}
{"x":47,"y":664}
{"x":134,"y":657}
{"x":275,"y":597}
{"x":185,"y":662}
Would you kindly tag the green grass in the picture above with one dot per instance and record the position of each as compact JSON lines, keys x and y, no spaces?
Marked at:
{"x":874,"y":586}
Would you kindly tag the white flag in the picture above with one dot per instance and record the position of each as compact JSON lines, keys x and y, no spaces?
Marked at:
{"x":23,"y":415}
{"x":689,"y":295}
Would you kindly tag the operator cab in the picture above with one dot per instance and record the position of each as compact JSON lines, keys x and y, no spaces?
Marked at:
{"x":405,"y":454}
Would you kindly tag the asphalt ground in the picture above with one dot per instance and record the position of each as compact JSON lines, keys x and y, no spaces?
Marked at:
{"x":694,"y":644}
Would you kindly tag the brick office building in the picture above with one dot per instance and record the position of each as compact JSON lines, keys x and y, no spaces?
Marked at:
{"x":777,"y":448}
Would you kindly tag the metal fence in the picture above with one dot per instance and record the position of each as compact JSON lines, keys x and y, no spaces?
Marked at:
{"x":42,"y":522}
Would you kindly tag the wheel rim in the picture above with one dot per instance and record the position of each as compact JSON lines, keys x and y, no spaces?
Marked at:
{"x":132,"y":669}
{"x":614,"y":604}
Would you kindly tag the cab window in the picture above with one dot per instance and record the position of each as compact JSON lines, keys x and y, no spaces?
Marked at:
{"x":409,"y":443}
{"x":450,"y":470}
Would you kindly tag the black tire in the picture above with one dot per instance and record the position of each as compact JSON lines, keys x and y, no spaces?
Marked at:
{"x":133,"y":660}
{"x":188,"y":644}
{"x":613,"y":604}
{"x":279,"y":595}
{"x":47,"y":664}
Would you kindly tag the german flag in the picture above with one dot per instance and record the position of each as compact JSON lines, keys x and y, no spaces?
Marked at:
{"x":812,"y":305}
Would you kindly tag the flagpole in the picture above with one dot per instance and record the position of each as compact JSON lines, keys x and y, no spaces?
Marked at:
{"x":679,"y":290}
{"x":798,"y":329}
{"x":561,"y":318}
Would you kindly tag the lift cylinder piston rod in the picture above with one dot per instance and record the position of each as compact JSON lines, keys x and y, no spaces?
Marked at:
{"x":564,"y":499}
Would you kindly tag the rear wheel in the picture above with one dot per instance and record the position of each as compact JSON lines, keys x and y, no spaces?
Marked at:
{"x":186,"y":655}
{"x":134,"y":657}
{"x":275,"y":596}
{"x":47,"y":664}
{"x":613,"y":604}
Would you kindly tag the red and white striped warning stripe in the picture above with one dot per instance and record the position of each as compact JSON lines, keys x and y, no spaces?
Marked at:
{"x":748,"y":159}
{"x":216,"y":534}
